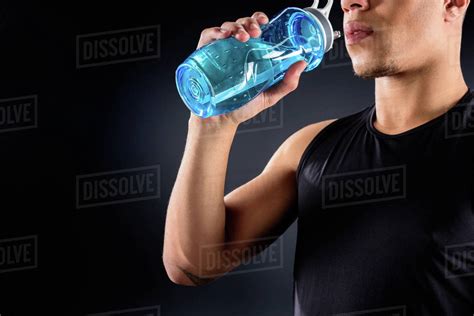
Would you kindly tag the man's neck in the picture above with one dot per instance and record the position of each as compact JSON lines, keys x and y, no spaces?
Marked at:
{"x":407,"y":100}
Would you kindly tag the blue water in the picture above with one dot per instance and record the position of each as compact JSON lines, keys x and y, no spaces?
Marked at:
{"x":226,"y":74}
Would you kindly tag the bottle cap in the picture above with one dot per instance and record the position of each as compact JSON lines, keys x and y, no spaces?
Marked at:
{"x":322,"y":16}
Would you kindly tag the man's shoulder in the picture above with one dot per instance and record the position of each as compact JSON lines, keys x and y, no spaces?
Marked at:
{"x":297,"y":143}
{"x":303,"y":136}
{"x":293,"y":147}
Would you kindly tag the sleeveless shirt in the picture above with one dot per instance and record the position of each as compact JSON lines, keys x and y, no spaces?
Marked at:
{"x":386,"y":222}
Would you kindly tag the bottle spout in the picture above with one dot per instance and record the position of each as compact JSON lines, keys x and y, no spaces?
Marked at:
{"x":322,"y":17}
{"x":325,"y":11}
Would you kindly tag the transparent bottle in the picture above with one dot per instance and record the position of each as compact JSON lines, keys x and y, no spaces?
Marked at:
{"x":227,"y":74}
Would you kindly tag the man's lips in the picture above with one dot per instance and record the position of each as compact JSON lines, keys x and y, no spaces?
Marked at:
{"x":356,"y":31}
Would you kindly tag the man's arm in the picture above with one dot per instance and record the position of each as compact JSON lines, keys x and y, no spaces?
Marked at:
{"x":203,"y":225}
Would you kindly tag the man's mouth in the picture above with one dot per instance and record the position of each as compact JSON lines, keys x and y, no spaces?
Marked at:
{"x":356,"y":31}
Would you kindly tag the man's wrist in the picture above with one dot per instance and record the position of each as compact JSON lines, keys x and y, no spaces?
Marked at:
{"x":218,"y":125}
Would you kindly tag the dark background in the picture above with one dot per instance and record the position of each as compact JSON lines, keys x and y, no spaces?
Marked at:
{"x":125,"y":116}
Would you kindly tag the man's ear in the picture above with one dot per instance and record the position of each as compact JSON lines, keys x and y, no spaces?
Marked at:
{"x":455,"y":9}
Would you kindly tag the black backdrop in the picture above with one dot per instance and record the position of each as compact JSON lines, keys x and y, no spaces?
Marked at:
{"x":123,"y":116}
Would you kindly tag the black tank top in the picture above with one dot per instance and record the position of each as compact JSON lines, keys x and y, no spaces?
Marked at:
{"x":386,"y":222}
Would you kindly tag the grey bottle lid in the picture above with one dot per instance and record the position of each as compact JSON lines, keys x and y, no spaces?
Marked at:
{"x":322,"y":16}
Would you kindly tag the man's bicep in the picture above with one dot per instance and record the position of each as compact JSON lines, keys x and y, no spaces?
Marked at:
{"x":261,"y":208}
{"x":267,"y":205}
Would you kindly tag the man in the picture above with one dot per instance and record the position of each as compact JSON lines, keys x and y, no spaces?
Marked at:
{"x":384,"y":197}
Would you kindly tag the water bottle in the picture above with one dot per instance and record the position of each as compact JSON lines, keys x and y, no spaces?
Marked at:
{"x":227,"y":73}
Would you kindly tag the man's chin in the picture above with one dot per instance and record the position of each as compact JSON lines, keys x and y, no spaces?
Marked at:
{"x":370,"y":70}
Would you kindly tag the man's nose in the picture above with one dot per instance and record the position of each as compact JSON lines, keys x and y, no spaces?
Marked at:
{"x":349,"y":6}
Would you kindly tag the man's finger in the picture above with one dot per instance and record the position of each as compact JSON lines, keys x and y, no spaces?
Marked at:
{"x":288,"y":84}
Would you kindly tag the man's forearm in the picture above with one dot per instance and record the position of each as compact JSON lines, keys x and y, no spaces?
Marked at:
{"x":196,"y":211}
